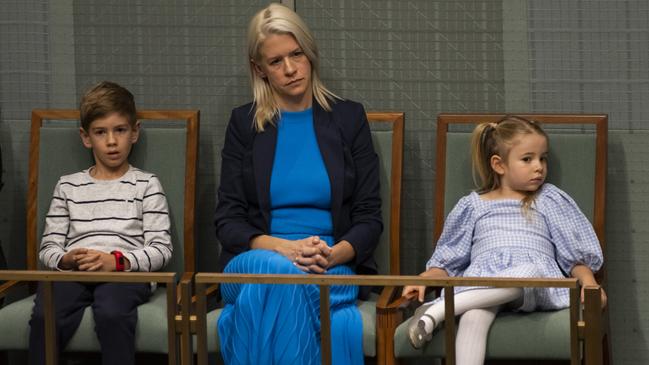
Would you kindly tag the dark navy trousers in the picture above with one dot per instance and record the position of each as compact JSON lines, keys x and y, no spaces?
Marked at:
{"x":114,"y":306}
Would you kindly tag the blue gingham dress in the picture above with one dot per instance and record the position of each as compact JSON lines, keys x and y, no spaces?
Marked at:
{"x":493,"y":238}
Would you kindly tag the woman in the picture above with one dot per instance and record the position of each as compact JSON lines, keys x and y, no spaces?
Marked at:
{"x":299,"y":193}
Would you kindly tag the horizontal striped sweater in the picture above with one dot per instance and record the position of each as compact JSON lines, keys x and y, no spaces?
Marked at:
{"x":129,"y":214}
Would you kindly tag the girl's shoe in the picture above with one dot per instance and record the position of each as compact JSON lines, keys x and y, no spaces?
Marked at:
{"x":417,"y":327}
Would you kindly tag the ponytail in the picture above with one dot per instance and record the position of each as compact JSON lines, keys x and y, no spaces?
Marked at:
{"x":483,"y":146}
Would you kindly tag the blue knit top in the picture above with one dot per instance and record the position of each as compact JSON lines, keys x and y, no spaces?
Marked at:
{"x":300,"y":191}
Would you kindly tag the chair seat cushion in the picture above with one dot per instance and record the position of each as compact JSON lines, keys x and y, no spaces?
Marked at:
{"x":213,"y":341}
{"x":368,"y":315}
{"x":150,"y":333}
{"x":537,"y":335}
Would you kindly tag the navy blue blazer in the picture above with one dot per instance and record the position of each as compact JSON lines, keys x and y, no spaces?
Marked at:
{"x":343,"y":135}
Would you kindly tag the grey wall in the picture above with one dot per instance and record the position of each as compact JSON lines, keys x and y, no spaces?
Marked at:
{"x":418,"y":56}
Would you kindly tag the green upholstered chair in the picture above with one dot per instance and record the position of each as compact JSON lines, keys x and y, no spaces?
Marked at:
{"x":578,"y":166}
{"x":167,"y":147}
{"x":387,"y":138}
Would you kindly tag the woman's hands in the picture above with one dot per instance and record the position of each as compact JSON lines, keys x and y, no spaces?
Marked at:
{"x":418,"y":292}
{"x":311,"y":255}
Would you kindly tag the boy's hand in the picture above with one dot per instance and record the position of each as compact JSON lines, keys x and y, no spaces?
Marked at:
{"x":94,"y":260}
{"x":69,"y":260}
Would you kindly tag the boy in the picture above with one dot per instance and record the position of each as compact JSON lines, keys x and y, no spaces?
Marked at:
{"x":110,"y":217}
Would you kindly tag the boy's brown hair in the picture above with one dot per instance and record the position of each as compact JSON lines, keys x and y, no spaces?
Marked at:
{"x":104,"y":99}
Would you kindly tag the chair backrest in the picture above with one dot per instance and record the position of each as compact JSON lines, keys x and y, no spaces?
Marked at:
{"x":167,"y":147}
{"x":577,"y":161}
{"x":387,"y":138}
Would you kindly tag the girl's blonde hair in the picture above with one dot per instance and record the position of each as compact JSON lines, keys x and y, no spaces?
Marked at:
{"x":278,"y":19}
{"x":497,"y":138}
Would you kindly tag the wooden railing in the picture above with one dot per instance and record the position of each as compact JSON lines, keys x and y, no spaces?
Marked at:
{"x":46,"y":278}
{"x":205,"y":280}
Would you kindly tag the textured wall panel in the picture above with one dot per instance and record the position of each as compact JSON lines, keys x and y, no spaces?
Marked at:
{"x":591,"y":56}
{"x":628,"y":245}
{"x":180,"y":54}
{"x":25,"y":82}
{"x":420,"y":57}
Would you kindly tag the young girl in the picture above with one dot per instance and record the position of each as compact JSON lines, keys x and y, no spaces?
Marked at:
{"x":515,"y":225}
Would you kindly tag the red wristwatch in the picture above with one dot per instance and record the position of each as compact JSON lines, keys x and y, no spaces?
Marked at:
{"x":119,"y":260}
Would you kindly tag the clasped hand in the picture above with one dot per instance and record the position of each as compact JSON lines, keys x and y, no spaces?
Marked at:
{"x":84,"y":259}
{"x":311,"y":254}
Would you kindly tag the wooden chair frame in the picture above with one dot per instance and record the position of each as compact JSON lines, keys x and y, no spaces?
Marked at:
{"x":192,"y":316}
{"x":17,"y":278}
{"x":593,"y":328}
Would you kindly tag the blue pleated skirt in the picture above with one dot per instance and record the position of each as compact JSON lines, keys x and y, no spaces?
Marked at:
{"x":280,"y":324}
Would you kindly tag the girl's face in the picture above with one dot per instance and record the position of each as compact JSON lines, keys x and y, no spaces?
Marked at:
{"x":526,"y":165}
{"x":288,"y":71}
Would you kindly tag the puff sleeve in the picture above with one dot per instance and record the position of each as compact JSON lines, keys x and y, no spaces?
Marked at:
{"x":453,"y":250}
{"x":572,"y":234}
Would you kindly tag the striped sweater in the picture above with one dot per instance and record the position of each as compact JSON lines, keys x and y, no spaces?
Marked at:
{"x":128,"y":214}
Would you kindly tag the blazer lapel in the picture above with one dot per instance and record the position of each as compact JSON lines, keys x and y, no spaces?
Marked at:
{"x":262,"y":159}
{"x":331,"y":147}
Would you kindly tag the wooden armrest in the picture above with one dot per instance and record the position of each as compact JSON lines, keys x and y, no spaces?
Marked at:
{"x":186,"y":283}
{"x":9,"y":285}
{"x":186,"y":279}
{"x":391,"y":299}
{"x":592,"y":318}
{"x":209,"y":291}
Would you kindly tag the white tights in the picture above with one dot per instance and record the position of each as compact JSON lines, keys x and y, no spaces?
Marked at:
{"x":478,"y":308}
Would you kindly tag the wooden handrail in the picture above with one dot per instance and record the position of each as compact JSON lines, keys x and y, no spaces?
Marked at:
{"x":86,"y":277}
{"x":384,"y":280}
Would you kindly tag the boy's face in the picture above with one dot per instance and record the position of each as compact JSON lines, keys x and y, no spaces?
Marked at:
{"x":110,"y":139}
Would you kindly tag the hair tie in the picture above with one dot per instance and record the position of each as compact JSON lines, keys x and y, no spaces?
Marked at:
{"x":488,"y":128}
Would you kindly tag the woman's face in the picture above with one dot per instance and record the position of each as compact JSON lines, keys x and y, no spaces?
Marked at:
{"x":288,"y":71}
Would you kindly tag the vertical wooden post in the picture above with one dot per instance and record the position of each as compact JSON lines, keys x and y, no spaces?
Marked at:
{"x":325,"y":326}
{"x":574,"y":330}
{"x":51,"y":355}
{"x":186,"y":345}
{"x":201,"y":325}
{"x":593,"y":331}
{"x":449,"y":324}
{"x":171,"y":324}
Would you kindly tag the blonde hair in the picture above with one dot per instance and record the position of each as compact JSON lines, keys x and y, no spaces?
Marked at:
{"x":497,"y":138}
{"x":278,"y":19}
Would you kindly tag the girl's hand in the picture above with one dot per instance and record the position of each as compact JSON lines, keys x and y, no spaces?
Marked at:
{"x":417,"y":291}
{"x":414,"y":292}
{"x":587,"y":278}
